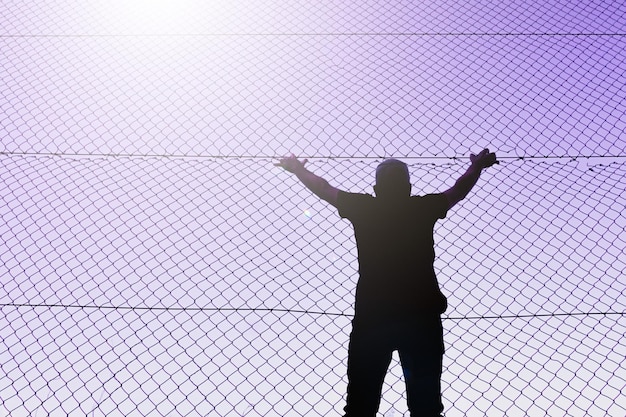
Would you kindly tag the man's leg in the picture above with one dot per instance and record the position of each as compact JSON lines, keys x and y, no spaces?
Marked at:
{"x":368,"y":359}
{"x":421,"y":355}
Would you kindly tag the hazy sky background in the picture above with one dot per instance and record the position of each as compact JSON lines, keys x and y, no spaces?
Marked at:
{"x":155,"y":262}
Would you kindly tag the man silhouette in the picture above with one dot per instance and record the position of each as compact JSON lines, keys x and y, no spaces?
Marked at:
{"x":398,"y":302}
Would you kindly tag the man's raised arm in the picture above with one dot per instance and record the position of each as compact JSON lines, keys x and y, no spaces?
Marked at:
{"x":319,"y":186}
{"x":467,"y":181}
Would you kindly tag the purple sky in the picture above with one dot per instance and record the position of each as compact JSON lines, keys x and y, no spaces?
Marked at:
{"x":145,"y":233}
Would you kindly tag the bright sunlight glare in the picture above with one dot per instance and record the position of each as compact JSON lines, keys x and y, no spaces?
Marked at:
{"x":163,"y":16}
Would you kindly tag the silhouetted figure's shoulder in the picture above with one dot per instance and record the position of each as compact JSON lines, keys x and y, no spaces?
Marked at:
{"x":354,"y":206}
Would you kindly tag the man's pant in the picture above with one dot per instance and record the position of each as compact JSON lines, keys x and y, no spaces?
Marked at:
{"x":419,"y":343}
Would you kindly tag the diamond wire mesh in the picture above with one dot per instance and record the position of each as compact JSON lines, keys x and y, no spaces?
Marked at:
{"x":154,"y":262}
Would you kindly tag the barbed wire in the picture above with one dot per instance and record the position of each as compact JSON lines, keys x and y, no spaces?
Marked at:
{"x":280,"y":310}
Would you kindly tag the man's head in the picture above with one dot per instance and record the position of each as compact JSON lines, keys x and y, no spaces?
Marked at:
{"x":392,"y":179}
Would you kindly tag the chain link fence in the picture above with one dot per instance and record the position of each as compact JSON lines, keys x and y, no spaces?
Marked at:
{"x":154,"y":262}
